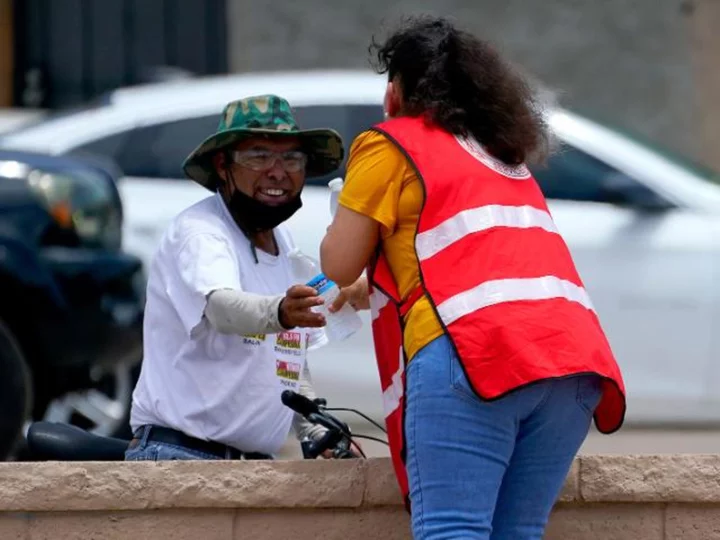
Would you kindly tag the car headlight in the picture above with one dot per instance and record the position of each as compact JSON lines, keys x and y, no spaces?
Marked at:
{"x":82,"y":201}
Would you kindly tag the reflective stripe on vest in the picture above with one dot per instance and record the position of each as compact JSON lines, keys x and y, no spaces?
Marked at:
{"x":393,"y":393}
{"x":492,"y":292}
{"x":387,"y":338}
{"x":393,"y":389}
{"x":474,"y":220}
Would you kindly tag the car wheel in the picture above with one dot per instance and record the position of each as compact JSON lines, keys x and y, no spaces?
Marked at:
{"x":104,"y":409}
{"x":15,"y":393}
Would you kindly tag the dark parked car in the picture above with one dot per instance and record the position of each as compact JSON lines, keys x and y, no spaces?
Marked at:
{"x":71,"y":301}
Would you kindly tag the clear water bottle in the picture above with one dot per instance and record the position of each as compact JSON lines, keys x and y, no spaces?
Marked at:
{"x":344,"y":322}
{"x":335,"y":185}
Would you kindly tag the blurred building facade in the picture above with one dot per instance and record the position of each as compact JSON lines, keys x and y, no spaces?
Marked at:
{"x":651,"y":67}
{"x":67,"y":52}
{"x":648,"y":66}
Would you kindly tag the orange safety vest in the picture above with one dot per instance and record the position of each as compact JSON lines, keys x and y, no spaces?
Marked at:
{"x":499,"y":276}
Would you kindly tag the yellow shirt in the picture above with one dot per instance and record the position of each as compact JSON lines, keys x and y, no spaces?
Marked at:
{"x":381,"y":184}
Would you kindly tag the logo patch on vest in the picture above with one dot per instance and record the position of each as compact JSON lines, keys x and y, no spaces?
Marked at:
{"x":475,"y":149}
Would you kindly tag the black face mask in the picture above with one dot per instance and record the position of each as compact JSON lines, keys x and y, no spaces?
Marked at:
{"x":252,"y":216}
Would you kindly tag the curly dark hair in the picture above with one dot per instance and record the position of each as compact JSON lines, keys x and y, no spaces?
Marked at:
{"x":463,"y":86}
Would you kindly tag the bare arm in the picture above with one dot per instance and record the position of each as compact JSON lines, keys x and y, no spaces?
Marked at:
{"x":348,"y":245}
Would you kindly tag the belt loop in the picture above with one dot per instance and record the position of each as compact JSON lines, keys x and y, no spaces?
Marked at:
{"x":145,"y":434}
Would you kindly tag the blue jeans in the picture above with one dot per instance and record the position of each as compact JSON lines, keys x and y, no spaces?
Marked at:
{"x":488,"y":469}
{"x":159,"y":451}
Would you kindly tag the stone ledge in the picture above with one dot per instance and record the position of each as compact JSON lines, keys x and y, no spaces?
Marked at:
{"x":678,"y":478}
{"x":93,"y":486}
{"x":56,"y":486}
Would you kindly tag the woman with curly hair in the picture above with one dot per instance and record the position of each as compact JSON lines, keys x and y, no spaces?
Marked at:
{"x":492,"y":359}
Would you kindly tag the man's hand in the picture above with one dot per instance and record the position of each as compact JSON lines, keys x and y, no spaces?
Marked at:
{"x":295,"y":308}
{"x":357,"y":295}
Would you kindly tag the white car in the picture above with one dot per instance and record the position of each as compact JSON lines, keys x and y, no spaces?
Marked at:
{"x":12,"y":119}
{"x":643,"y":228}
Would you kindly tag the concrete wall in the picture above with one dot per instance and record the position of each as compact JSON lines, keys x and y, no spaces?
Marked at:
{"x":632,"y":64}
{"x":618,"y":497}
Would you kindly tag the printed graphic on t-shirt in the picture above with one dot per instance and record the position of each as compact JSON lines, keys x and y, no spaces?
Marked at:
{"x":288,"y":372}
{"x":253,"y":339}
{"x":289,"y":343}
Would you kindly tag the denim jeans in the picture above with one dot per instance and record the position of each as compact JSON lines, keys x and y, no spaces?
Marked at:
{"x":488,"y":469}
{"x":159,"y":451}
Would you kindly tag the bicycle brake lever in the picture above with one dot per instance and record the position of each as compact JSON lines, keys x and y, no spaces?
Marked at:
{"x":328,"y":422}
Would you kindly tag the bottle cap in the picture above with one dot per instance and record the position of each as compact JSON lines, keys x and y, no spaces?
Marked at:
{"x":336,"y":184}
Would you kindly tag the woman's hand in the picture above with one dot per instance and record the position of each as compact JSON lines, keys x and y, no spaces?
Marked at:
{"x":357,"y":295}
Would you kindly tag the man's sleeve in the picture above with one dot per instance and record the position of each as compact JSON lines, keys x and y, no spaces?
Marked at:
{"x":203,"y":263}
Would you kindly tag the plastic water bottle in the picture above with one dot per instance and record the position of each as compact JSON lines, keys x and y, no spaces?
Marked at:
{"x":335,"y":185}
{"x":344,"y":322}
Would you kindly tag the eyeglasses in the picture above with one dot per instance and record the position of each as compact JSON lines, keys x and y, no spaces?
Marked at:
{"x":263,"y":160}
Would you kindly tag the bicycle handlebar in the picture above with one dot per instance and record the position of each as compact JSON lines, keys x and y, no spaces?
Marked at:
{"x":338,"y":436}
{"x":331,"y":440}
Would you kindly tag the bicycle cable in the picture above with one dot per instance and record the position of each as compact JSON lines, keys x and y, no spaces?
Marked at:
{"x":373,"y":422}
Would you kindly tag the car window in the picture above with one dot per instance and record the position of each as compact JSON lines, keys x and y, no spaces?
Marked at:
{"x":158,"y":151}
{"x":155,"y":151}
{"x":348,"y":120}
{"x":111,"y":146}
{"x":572,"y":175}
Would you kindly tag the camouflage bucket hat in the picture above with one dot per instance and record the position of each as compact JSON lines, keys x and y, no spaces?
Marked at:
{"x":263,"y":115}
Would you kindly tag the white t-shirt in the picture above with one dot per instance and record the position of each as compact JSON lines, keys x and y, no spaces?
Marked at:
{"x":213,"y":386}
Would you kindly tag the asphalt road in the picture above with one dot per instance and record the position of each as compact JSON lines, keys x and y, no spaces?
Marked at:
{"x":626,"y":441}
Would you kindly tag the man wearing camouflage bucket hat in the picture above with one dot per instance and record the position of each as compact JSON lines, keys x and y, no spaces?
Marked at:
{"x":226,"y":326}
